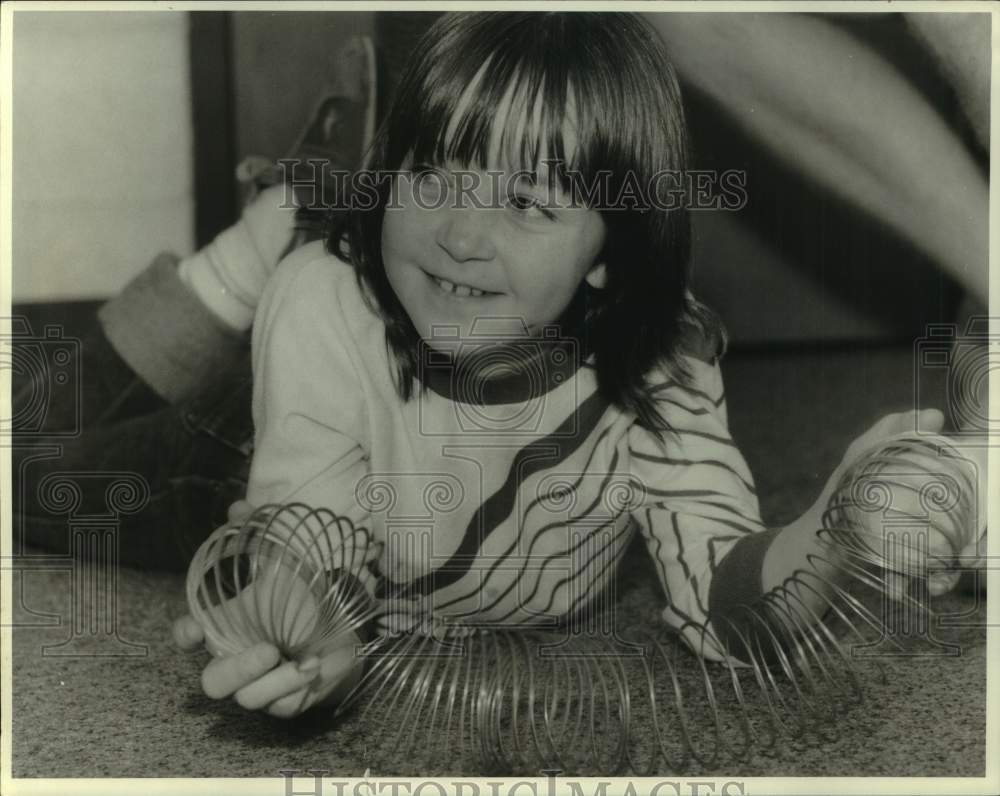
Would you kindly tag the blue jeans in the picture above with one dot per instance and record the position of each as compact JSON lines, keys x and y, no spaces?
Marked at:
{"x":185,"y":456}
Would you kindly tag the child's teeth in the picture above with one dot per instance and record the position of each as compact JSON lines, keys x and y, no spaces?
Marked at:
{"x":459,"y":290}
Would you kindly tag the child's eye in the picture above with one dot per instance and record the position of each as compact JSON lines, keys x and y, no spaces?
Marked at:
{"x":529,"y":205}
{"x":431,"y":183}
{"x":420,"y":170}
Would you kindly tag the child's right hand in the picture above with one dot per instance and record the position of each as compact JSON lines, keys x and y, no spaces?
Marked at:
{"x":258,"y":679}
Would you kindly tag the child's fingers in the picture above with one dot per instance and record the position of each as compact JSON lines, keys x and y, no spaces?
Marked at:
{"x":890,"y":425}
{"x":338,"y":664}
{"x":942,"y":578}
{"x":291,"y":705}
{"x":223,"y":676}
{"x":896,"y":585}
{"x":239,"y":511}
{"x":930,"y":420}
{"x":335,"y":680}
{"x":274,"y":685}
{"x":925,"y":420}
{"x":188,"y":634}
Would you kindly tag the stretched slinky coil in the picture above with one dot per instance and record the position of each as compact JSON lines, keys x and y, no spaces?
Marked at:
{"x":288,"y":575}
{"x":578,"y":700}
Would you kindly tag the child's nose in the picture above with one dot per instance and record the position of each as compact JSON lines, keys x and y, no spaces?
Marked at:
{"x":464,"y":234}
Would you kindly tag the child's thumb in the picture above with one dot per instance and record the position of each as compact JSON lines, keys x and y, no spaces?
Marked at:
{"x":239,"y":511}
{"x":931,"y":420}
{"x":187,"y":633}
{"x":926,"y":421}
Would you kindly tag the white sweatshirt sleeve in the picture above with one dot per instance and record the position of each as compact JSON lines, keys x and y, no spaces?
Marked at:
{"x":309,"y":410}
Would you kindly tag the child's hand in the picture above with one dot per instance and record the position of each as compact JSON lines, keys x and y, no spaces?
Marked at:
{"x":906,"y":500}
{"x":258,"y":679}
{"x":256,"y":675}
{"x":927,"y":421}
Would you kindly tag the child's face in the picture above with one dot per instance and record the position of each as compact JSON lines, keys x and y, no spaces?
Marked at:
{"x":453,"y":255}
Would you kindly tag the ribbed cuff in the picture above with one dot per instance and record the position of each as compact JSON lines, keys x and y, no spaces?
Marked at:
{"x":166,"y":334}
{"x":737,"y":586}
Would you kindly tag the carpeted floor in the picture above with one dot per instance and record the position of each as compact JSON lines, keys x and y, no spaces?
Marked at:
{"x":120,"y":701}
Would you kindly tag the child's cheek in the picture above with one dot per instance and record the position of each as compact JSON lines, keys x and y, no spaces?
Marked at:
{"x":406,"y":227}
{"x":393,"y":235}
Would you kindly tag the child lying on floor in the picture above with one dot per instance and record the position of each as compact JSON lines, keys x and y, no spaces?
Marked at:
{"x":506,"y":307}
{"x":491,"y":318}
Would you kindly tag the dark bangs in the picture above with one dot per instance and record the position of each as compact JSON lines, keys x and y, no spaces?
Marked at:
{"x":593,"y":93}
{"x":566,"y":75}
{"x":479,"y":65}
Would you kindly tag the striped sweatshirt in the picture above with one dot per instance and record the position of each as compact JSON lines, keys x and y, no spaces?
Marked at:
{"x":498,"y":501}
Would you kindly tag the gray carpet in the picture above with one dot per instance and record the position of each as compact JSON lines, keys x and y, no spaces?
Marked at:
{"x":121,"y":701}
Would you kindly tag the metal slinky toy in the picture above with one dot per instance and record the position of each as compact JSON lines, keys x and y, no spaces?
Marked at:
{"x":595,"y":700}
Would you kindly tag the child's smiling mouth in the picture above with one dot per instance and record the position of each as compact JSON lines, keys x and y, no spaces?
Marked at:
{"x":457,"y":289}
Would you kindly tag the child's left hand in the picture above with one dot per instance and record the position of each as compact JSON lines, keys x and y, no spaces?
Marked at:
{"x":941,"y":576}
{"x":928,"y":421}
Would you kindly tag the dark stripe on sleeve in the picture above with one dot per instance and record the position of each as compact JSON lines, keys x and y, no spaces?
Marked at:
{"x":691,"y":462}
{"x":664,"y":386}
{"x":691,"y":410}
{"x":658,"y":538}
{"x":688,"y":576}
{"x":705,"y":435}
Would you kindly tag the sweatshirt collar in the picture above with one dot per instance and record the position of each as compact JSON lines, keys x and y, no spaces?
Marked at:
{"x":500,"y":364}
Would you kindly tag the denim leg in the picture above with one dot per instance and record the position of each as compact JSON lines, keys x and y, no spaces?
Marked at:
{"x":65,"y":382}
{"x":186,"y":464}
{"x":151,"y":401}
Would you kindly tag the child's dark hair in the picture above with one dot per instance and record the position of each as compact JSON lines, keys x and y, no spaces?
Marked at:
{"x":613,"y":70}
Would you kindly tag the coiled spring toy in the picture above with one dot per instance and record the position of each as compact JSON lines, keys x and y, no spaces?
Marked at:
{"x":472,"y":700}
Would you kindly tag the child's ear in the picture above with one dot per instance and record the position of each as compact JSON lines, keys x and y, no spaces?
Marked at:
{"x":597,"y":277}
